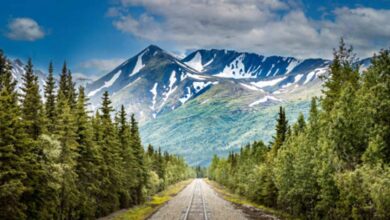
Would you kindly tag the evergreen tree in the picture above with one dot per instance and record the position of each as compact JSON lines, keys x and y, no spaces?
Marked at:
{"x":39,"y":178}
{"x":50,"y":105}
{"x":12,"y":147}
{"x":67,"y":137}
{"x":128,"y":158}
{"x":346,"y":135}
{"x":88,"y":160}
{"x":281,"y":131}
{"x":31,"y":103}
{"x":140,"y":170}
{"x":300,"y":125}
{"x":150,"y":151}
{"x":63,"y":84}
{"x":71,"y":89}
{"x":342,"y":70}
{"x":375,"y":102}
{"x":111,"y":169}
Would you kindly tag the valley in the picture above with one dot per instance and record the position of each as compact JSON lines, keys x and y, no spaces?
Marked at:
{"x":211,"y":101}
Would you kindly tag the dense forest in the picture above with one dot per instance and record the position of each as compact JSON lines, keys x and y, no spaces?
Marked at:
{"x":59,"y":161}
{"x":335,"y":163}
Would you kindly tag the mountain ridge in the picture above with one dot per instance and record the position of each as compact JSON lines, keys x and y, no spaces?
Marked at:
{"x":194,"y":105}
{"x":211,"y":101}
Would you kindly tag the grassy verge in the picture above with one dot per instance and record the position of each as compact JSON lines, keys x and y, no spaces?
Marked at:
{"x":146,"y":210}
{"x":242,"y":201}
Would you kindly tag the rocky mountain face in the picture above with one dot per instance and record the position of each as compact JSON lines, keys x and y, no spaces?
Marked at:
{"x":212,"y":101}
{"x":154,"y":83}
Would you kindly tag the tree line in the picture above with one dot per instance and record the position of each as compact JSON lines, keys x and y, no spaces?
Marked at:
{"x":59,"y":162}
{"x":333,"y":165}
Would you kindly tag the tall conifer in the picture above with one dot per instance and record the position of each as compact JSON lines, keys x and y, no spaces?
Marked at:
{"x":50,"y":104}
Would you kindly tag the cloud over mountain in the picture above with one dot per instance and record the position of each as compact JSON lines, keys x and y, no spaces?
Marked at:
{"x":270,"y":27}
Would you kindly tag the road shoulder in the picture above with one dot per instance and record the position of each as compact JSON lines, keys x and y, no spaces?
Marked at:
{"x":147,"y":209}
{"x":251,"y":209}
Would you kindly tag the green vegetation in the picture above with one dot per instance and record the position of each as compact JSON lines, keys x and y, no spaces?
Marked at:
{"x":231,"y":126}
{"x":147,"y":209}
{"x":58,"y":162}
{"x":335,"y":165}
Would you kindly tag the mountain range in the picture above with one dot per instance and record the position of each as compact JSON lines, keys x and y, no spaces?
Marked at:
{"x":211,"y":101}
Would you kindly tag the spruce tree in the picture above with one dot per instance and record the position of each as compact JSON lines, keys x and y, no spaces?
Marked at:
{"x":281,"y":131}
{"x":88,"y":160}
{"x":72,"y":90}
{"x":63,"y":84}
{"x":38,"y":179}
{"x":32,"y":109}
{"x":110,"y":151}
{"x":300,"y":125}
{"x":374,"y":102}
{"x":128,"y":158}
{"x":67,"y":137}
{"x":342,"y":70}
{"x":50,"y":104}
{"x":140,"y":170}
{"x":12,"y":147}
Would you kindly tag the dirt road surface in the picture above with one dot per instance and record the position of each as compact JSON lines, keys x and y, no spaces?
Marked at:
{"x":198,"y":201}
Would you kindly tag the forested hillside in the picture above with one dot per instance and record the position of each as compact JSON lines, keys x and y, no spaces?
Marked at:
{"x":335,"y":163}
{"x":58,"y":162}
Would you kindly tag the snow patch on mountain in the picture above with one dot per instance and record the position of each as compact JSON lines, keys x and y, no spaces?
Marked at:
{"x":315,"y":73}
{"x":106,"y":84}
{"x":265,"y":99}
{"x":154,"y":92}
{"x":171,"y":88}
{"x":196,"y":62}
{"x":297,"y":78}
{"x":196,"y":76}
{"x":270,"y":70}
{"x":209,"y":62}
{"x":138,"y":65}
{"x":186,"y":96}
{"x":172,"y":79}
{"x":292,"y":65}
{"x":198,"y":86}
{"x":266,"y":83}
{"x":236,"y":70}
{"x":250,"y":87}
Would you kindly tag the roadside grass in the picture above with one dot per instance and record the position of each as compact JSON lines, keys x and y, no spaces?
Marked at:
{"x":241,"y":201}
{"x":146,"y":210}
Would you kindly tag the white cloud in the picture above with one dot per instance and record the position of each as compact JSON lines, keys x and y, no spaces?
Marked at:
{"x":102,"y":65}
{"x":24,"y":29}
{"x":269,"y":26}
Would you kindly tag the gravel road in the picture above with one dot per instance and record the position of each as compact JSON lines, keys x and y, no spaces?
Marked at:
{"x":216,"y":207}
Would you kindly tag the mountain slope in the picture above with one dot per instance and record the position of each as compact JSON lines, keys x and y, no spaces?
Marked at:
{"x":217,"y":122}
{"x":232,"y":64}
{"x":151,"y":83}
{"x":154,"y":82}
{"x":212,"y":101}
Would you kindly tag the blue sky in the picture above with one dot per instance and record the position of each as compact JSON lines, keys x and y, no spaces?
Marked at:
{"x":94,"y":36}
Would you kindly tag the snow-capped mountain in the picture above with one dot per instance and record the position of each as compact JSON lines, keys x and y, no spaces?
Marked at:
{"x":232,"y":64}
{"x":150,"y":83}
{"x":154,"y":82}
{"x":211,"y":101}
